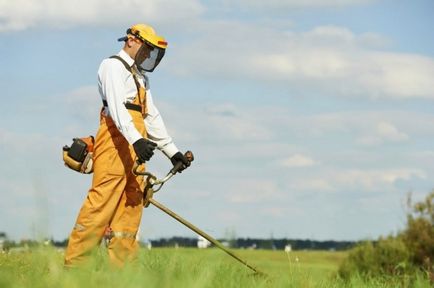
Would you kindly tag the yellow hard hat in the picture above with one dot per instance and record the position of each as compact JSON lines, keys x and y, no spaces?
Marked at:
{"x":147,"y":34}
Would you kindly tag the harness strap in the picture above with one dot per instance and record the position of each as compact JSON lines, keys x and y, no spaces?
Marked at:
{"x":129,"y":68}
{"x":129,"y":106}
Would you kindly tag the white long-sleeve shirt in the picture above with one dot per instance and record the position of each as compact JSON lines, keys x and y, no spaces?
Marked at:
{"x":116,"y":86}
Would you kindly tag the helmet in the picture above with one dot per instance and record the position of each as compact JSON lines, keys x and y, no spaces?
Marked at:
{"x":157,"y":43}
{"x":147,"y":34}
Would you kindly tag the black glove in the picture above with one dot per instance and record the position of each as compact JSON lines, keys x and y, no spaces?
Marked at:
{"x":179,"y":157}
{"x":144,"y":149}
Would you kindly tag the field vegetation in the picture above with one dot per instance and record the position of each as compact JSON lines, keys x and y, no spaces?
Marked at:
{"x":189,"y":267}
{"x":402,"y":260}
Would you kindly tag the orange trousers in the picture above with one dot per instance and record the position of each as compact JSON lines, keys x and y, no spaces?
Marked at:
{"x":115,"y":199}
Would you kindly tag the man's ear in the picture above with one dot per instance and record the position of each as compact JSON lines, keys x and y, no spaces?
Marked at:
{"x":129,"y":42}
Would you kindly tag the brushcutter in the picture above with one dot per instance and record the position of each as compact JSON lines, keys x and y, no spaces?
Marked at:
{"x":152,"y":181}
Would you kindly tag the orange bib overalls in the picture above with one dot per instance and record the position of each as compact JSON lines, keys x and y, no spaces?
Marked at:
{"x":115,"y":199}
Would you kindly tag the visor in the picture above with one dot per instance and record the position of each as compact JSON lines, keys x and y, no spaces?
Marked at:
{"x":155,"y":56}
{"x":152,"y":50}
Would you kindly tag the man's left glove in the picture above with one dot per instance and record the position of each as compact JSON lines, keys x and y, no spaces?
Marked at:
{"x":179,"y":157}
{"x":144,"y":149}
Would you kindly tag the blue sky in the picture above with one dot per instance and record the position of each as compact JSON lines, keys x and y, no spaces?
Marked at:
{"x":308,"y":119}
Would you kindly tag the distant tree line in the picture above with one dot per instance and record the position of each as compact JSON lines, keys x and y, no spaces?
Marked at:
{"x":257,"y":243}
{"x":241,"y":243}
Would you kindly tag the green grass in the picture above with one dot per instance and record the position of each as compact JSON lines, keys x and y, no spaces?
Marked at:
{"x":188,"y":267}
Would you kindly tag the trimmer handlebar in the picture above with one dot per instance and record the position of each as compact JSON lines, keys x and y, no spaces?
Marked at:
{"x":152,"y":179}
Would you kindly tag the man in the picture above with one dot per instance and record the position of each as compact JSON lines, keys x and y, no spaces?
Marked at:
{"x":130,"y":128}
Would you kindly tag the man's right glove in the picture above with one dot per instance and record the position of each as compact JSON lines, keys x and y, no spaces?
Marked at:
{"x":144,"y":149}
{"x":179,"y":157}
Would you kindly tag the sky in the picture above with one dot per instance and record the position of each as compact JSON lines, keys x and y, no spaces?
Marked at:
{"x":308,"y":119}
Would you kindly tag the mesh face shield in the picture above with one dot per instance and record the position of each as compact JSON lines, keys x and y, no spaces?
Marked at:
{"x":148,"y":57}
{"x":153,"y":46}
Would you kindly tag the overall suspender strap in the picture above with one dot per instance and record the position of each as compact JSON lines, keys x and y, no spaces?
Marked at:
{"x":129,"y":68}
{"x":129,"y":106}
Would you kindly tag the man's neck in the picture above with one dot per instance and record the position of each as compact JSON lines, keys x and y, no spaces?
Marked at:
{"x":129,"y":52}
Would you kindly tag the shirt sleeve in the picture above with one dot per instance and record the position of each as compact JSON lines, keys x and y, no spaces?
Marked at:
{"x":156,"y":129}
{"x":112,"y":86}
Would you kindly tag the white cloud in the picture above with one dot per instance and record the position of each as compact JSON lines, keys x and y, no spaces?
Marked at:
{"x":330,"y":33}
{"x":363,"y":127}
{"x":343,"y":37}
{"x":253,"y":191}
{"x":384,"y":132}
{"x":265,"y":184}
{"x":374,"y":180}
{"x":286,"y":5}
{"x":316,"y":184}
{"x":23,"y":14}
{"x":329,"y":60}
{"x":298,"y":160}
{"x":346,"y":180}
{"x":369,"y":141}
{"x":389,"y":132}
{"x":398,"y":75}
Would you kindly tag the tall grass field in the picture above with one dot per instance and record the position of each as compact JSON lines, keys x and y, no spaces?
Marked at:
{"x":188,"y":267}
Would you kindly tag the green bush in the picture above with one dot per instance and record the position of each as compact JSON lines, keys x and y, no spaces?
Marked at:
{"x":387,"y":256}
{"x":419,"y":238}
{"x":412,"y":250}
{"x":419,"y":234}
